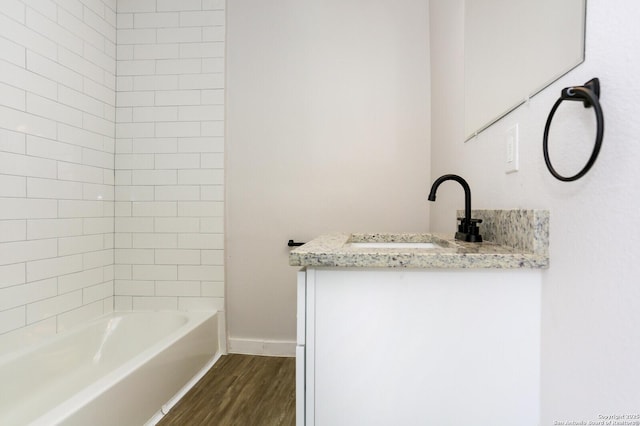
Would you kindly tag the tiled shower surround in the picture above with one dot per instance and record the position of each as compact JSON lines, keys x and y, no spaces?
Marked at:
{"x":91,"y":89}
{"x":169,"y":155}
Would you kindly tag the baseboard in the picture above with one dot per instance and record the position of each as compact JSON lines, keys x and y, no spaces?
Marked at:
{"x":283,"y":348}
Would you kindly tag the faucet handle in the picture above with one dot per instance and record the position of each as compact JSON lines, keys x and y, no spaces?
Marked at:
{"x":469,"y":231}
{"x":472,"y":221}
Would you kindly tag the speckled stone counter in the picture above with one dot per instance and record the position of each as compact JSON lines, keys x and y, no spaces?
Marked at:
{"x":513,"y":239}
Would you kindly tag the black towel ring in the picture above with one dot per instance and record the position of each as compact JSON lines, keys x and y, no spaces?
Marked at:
{"x":589,"y":94}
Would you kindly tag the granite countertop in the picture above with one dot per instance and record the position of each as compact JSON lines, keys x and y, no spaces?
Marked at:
{"x":521,"y":242}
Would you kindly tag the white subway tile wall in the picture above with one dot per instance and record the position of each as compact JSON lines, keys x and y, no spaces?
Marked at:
{"x":111,"y":159}
{"x":169,"y":169}
{"x":57,"y":126}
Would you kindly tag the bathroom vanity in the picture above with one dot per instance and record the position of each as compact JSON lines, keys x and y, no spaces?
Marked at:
{"x":421,"y":328}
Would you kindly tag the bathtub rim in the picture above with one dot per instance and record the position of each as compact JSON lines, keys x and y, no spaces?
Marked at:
{"x":32,"y":343}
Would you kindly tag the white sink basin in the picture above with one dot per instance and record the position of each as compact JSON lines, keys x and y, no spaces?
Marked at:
{"x":394,"y":245}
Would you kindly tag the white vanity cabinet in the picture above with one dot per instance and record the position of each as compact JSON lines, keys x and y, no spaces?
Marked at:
{"x":396,"y":346}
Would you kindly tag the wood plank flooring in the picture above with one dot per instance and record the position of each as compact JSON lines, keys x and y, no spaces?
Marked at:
{"x":243,"y":390}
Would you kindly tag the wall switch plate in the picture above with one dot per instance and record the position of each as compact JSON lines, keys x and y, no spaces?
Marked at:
{"x":512,"y":160}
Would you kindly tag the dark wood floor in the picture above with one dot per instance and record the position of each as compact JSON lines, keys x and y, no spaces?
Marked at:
{"x":241,"y":390}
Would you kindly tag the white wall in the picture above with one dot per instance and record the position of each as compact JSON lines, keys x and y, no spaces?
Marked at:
{"x":169,"y":155}
{"x":590,"y":318}
{"x":327,"y":130}
{"x":57,"y":112}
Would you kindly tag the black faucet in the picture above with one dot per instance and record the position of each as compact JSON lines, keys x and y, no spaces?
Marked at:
{"x":468,"y":228}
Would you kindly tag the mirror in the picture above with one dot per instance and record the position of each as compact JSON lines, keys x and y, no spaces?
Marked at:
{"x":513,"y":50}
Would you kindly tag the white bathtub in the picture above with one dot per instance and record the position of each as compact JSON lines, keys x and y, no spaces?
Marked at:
{"x":119,"y":370}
